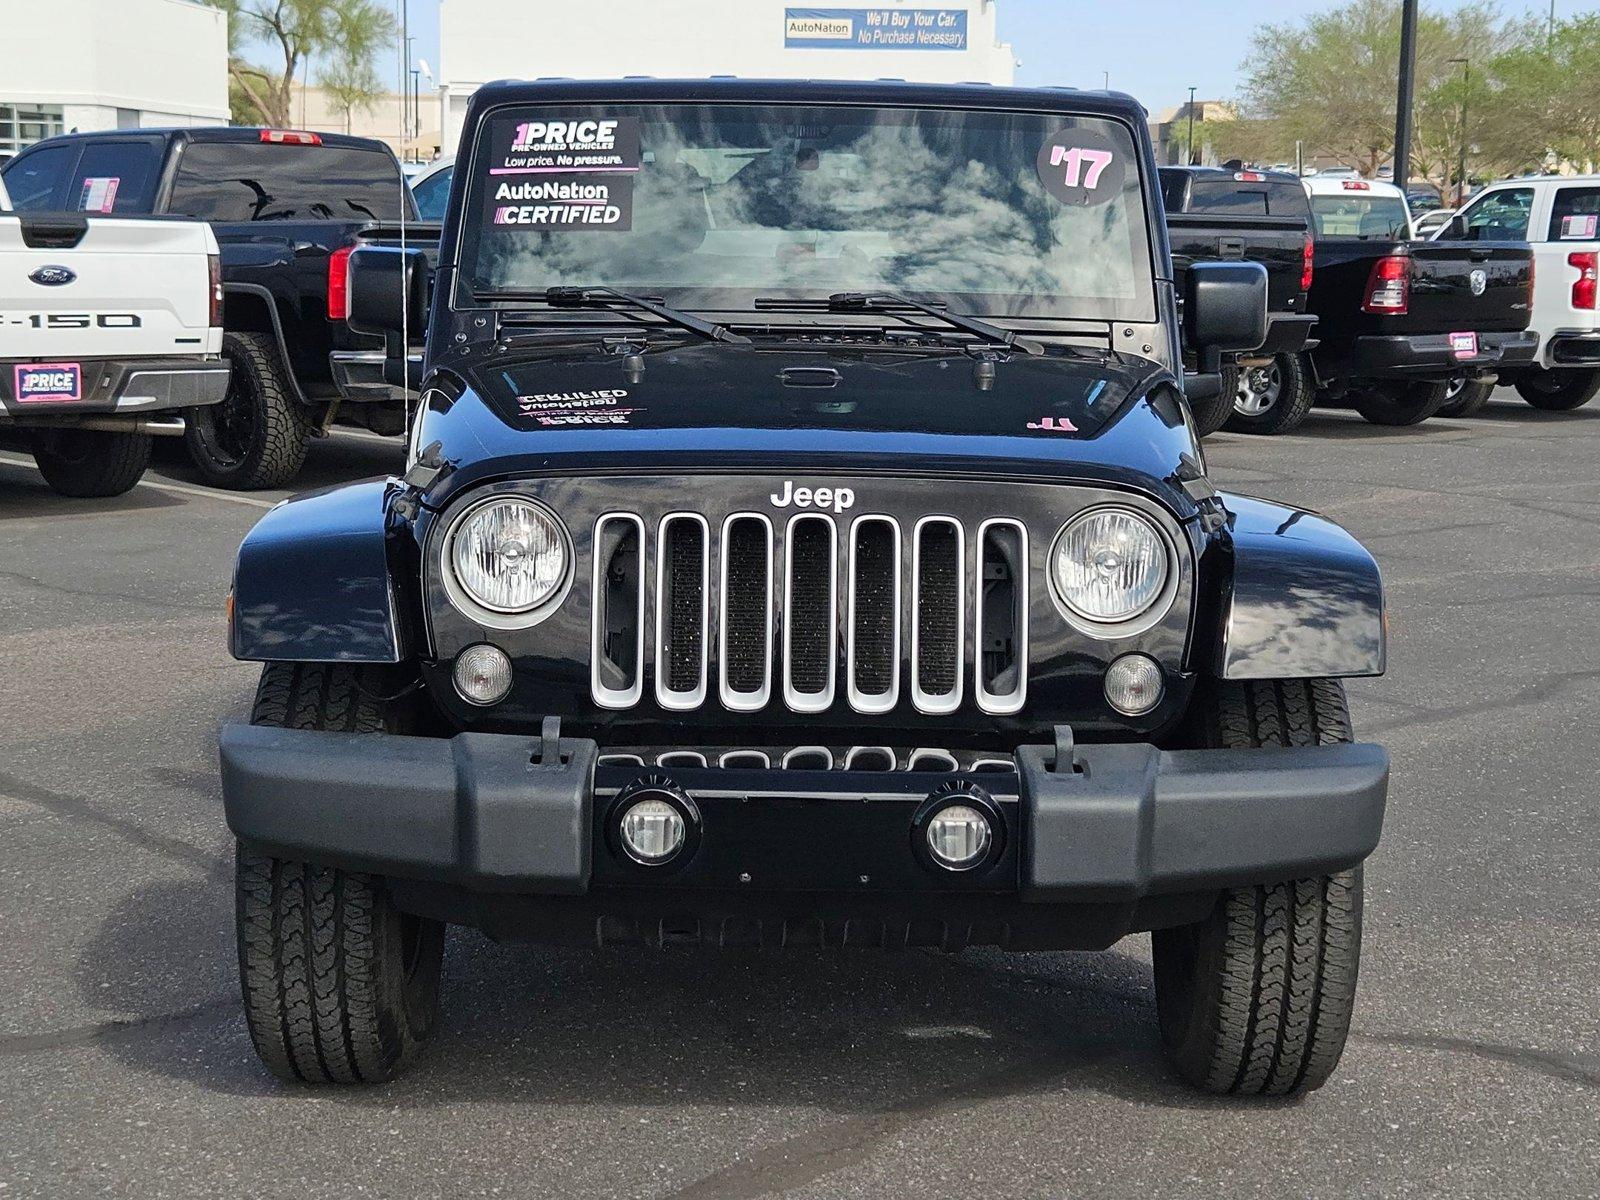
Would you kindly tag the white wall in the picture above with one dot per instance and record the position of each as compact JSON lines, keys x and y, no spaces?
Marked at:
{"x":165,"y":59}
{"x":484,"y":40}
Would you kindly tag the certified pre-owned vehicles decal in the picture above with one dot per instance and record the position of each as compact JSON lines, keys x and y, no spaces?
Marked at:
{"x":48,"y":383}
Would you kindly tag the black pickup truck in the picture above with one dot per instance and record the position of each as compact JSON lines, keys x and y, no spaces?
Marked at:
{"x":1232,"y":215}
{"x":287,"y":208}
{"x":1399,"y":319}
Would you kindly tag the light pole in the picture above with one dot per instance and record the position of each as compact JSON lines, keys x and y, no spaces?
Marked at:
{"x":1402,"y":109}
{"x":1461,"y":168}
{"x":1192,"y":160}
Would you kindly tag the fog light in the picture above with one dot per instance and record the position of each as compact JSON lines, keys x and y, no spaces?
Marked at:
{"x":483,"y":674}
{"x":652,"y":831}
{"x":1133,"y":685}
{"x":958,"y":836}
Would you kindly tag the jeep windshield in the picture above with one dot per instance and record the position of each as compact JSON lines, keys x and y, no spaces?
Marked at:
{"x":711,"y":207}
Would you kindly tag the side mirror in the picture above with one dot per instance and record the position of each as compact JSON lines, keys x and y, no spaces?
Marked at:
{"x":1455,"y":231}
{"x":388,"y":296}
{"x":1225,"y":308}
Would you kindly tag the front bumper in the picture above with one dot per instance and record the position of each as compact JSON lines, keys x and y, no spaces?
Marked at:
{"x":1429,"y":356}
{"x":499,"y":813}
{"x":128,"y":387}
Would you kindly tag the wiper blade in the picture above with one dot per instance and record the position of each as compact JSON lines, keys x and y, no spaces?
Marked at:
{"x":878,"y":301}
{"x":596,"y":297}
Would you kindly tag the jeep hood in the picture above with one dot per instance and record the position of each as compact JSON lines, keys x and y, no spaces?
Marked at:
{"x":718,"y":406}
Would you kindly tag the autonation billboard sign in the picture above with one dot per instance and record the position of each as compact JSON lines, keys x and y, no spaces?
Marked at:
{"x":875,"y":28}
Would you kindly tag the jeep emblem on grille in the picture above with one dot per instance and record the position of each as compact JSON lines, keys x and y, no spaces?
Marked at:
{"x":837,"y":499}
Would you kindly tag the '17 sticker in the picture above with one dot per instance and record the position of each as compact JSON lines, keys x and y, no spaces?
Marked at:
{"x":1080,"y":166}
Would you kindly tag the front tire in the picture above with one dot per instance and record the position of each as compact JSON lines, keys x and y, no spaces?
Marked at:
{"x":339,"y":985}
{"x":1272,"y":399}
{"x":1559,"y":391}
{"x":1397,"y":403}
{"x":256,"y":436}
{"x":1257,"y":998}
{"x":89,"y":463}
{"x":1466,"y":397}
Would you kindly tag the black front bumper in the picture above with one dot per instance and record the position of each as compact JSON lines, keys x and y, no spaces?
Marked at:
{"x":497,"y":813}
{"x":1425,"y":356}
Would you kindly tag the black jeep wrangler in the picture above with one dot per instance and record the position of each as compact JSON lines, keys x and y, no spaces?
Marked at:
{"x":804,"y":541}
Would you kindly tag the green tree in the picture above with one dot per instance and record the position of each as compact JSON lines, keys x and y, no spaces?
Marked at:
{"x":341,"y":36}
{"x":1547,"y":96}
{"x":1330,"y":82}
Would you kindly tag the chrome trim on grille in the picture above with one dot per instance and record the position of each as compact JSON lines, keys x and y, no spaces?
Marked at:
{"x":603,"y":696}
{"x":736,"y":701}
{"x":758,"y":759}
{"x":1011,"y":702}
{"x":666,"y":697}
{"x":790,"y":755}
{"x":945,"y":760}
{"x":855,"y":752}
{"x":993,"y":764}
{"x":934,"y":704}
{"x":625,"y":760}
{"x":681,"y":758}
{"x":810,"y":702}
{"x":879,"y":702}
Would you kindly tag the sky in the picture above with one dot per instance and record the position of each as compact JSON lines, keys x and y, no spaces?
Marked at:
{"x":1155,"y":49}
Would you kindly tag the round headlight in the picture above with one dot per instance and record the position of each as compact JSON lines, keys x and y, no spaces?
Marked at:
{"x":509,"y":555}
{"x":1110,"y":564}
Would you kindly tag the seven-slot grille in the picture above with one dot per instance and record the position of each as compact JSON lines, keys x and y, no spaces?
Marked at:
{"x":807,"y":611}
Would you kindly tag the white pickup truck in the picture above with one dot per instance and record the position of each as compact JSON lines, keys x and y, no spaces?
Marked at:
{"x":1559,"y":215}
{"x":110,"y":327}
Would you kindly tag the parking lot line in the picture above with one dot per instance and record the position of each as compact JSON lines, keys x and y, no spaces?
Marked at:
{"x":182,"y":489}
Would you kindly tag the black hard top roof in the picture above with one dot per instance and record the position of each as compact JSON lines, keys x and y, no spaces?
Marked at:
{"x":887,"y":93}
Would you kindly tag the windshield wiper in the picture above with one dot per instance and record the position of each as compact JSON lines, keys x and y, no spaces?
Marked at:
{"x":888,"y":301}
{"x":596,"y":297}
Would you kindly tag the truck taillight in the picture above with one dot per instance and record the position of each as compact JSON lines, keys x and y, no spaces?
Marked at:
{"x":1585,"y":287}
{"x":290,"y":137}
{"x":1389,"y":286}
{"x":1307,"y":261}
{"x":339,"y":284}
{"x":214,"y":263}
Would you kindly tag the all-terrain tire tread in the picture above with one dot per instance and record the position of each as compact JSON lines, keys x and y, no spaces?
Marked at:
{"x":285,"y":425}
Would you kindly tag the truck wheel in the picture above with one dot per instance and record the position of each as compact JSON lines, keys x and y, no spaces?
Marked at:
{"x":1395,"y":403}
{"x":256,"y":437}
{"x":1466,"y":397}
{"x":1274,"y":398}
{"x":1256,"y":999}
{"x":88,"y":462}
{"x":1210,"y":414}
{"x":339,"y":985}
{"x":1559,"y":391}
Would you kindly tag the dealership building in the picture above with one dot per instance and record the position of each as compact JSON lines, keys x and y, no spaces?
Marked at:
{"x":931,"y":41}
{"x":109,"y":64}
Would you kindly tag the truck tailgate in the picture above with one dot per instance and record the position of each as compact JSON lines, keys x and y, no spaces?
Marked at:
{"x":1277,"y":243}
{"x":121,"y":287}
{"x":1467,"y":286}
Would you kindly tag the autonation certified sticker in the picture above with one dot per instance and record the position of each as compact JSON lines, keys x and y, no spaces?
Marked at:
{"x":573,"y":174}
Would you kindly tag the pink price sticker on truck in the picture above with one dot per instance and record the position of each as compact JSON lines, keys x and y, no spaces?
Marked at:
{"x":48,"y":383}
{"x":1081,"y":167}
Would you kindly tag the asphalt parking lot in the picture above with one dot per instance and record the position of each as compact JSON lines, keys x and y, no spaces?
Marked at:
{"x":1474,"y":1068}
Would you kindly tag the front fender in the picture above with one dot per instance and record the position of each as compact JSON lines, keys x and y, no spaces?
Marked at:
{"x":1304,"y":601}
{"x":314,"y":583}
